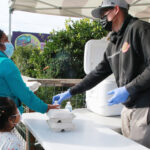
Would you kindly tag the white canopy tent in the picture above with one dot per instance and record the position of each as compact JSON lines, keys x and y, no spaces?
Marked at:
{"x":73,"y":8}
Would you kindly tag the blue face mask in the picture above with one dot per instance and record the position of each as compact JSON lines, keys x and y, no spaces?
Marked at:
{"x":9,"y":49}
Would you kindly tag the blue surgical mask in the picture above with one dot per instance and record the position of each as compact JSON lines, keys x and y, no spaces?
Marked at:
{"x":9,"y":49}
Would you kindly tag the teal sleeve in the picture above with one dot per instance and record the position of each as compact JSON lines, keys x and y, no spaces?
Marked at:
{"x":17,"y":86}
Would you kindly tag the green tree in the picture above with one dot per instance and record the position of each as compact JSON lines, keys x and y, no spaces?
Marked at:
{"x":29,"y":61}
{"x":62,"y":56}
{"x":64,"y":52}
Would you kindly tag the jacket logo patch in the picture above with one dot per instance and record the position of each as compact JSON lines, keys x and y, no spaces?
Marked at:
{"x":125,"y":47}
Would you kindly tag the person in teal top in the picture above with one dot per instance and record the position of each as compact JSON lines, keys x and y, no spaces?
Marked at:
{"x":12,"y":84}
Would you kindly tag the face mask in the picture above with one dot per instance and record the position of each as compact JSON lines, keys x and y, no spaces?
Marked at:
{"x":19,"y":114}
{"x":107,"y":25}
{"x":9,"y":49}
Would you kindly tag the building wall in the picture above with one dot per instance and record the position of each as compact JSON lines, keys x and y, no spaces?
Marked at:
{"x":28,"y":38}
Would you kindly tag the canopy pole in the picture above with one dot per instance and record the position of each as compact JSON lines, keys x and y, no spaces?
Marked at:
{"x":10,"y":12}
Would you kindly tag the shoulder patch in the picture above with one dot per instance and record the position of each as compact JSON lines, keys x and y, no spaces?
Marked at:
{"x":125,"y":47}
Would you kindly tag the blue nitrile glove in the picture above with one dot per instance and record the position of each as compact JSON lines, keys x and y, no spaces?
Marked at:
{"x":61,"y":97}
{"x":120,"y":95}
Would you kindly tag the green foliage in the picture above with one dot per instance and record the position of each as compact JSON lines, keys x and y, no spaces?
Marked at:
{"x":62,"y":56}
{"x":29,"y":61}
{"x":64,"y":52}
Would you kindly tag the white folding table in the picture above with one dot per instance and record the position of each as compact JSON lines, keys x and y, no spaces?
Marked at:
{"x":92,"y":132}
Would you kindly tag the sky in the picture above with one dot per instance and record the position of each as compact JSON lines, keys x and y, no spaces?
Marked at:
{"x":29,"y":22}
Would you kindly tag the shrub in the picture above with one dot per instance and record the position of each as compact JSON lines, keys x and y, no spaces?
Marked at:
{"x":64,"y":52}
{"x":62,"y":56}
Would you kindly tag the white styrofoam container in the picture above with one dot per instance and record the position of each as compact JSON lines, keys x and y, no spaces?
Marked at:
{"x":93,"y":53}
{"x":60,"y":120}
{"x":61,"y":127}
{"x":96,"y":98}
{"x":61,"y":114}
{"x":33,"y":86}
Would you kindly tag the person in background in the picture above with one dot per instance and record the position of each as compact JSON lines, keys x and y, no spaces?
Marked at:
{"x":128,"y":57}
{"x":9,"y":118}
{"x":12,"y":84}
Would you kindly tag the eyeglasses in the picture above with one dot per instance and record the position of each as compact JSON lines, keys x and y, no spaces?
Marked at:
{"x":16,"y":115}
{"x":106,"y":11}
{"x":105,"y":14}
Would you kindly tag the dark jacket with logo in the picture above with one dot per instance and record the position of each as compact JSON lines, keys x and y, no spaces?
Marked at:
{"x":128,"y":57}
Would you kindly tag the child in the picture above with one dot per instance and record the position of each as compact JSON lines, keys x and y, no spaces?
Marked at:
{"x":9,"y":117}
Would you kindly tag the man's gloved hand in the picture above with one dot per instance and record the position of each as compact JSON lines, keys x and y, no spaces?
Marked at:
{"x":120,"y":95}
{"x":62,"y":96}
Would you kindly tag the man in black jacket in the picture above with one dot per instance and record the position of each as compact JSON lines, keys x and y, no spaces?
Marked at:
{"x":128,"y":57}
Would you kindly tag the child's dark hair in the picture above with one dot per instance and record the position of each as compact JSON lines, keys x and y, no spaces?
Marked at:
{"x":1,"y":33}
{"x":7,"y":109}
